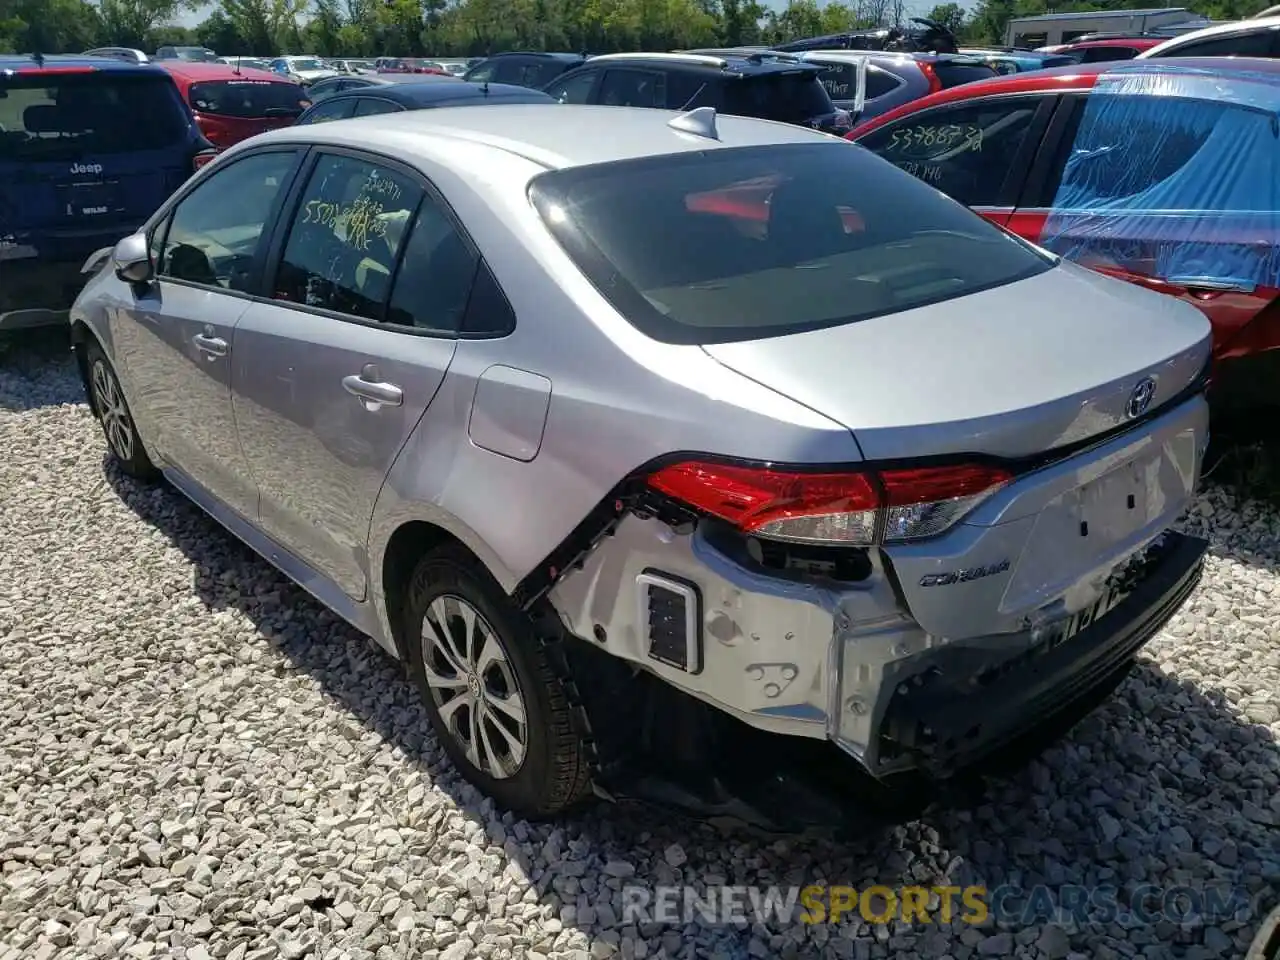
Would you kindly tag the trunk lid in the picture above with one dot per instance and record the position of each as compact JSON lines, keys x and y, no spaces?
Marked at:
{"x":1012,"y":371}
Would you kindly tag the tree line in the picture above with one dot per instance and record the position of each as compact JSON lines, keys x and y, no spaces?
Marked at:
{"x":444,"y":28}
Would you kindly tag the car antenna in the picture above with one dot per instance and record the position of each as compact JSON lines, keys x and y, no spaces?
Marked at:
{"x":701,"y":122}
{"x":235,"y":67}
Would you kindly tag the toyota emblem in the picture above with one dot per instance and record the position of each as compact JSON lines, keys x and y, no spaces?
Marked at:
{"x":1140,"y":398}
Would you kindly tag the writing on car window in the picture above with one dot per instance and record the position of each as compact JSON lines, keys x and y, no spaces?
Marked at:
{"x":944,"y":135}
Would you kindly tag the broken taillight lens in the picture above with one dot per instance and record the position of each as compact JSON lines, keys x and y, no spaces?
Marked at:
{"x":853,"y":508}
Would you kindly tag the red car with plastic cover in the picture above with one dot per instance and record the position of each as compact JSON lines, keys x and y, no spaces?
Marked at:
{"x":1162,"y":173}
{"x":231,"y":104}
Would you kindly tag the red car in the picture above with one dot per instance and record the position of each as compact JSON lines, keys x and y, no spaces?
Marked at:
{"x":1165,"y":173}
{"x":1104,"y":49}
{"x":232,"y":104}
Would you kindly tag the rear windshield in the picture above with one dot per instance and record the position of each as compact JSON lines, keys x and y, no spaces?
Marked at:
{"x":78,"y":116}
{"x":247,"y":98}
{"x":739,"y":244}
{"x":952,"y":74}
{"x":787,"y":97}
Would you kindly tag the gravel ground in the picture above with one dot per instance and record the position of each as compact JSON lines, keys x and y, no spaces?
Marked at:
{"x":197,"y":760}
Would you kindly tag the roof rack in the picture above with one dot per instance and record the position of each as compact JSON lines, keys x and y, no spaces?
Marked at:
{"x":697,"y":58}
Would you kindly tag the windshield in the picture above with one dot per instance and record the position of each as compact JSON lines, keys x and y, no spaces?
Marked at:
{"x":788,"y":97}
{"x":247,"y":98}
{"x":739,"y":244}
{"x":74,"y":116}
{"x":306,"y":63}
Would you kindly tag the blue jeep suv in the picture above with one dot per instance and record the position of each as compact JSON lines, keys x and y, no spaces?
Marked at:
{"x":89,"y":148}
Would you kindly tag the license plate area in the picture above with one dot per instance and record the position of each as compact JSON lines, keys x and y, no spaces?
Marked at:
{"x":89,"y":199}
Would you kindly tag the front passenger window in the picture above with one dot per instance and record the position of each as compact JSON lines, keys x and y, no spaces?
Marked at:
{"x":345,"y":235}
{"x":332,"y":110}
{"x":575,"y":88}
{"x":214,"y":231}
{"x":369,"y":106}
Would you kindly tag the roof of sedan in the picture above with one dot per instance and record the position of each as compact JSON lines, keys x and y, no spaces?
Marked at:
{"x":551,"y":134}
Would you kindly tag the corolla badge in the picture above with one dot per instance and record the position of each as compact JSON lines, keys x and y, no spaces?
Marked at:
{"x":1140,"y":398}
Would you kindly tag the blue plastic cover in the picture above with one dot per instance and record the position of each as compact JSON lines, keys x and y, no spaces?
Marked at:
{"x":1175,"y":174}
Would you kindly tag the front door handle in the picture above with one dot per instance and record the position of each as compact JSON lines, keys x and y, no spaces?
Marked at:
{"x":372,"y":390}
{"x":212,"y":346}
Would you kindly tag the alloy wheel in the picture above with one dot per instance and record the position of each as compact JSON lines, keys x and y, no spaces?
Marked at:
{"x":474,"y":687}
{"x":116,"y":422}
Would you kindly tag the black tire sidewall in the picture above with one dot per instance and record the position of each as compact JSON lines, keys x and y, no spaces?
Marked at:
{"x":139,"y":465}
{"x":529,"y":791}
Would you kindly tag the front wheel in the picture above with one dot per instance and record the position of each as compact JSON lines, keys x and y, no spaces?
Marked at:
{"x":494,"y":700}
{"x":112,"y":411}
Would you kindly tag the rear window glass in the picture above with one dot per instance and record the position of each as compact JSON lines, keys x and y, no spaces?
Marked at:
{"x":739,"y":244}
{"x":788,"y":97}
{"x":247,"y":98}
{"x":76,"y":116}
{"x":952,"y":74}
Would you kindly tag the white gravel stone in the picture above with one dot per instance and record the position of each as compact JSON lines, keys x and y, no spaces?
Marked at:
{"x":197,"y":760}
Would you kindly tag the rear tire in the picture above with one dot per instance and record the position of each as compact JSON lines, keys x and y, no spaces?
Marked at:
{"x":112,"y":410}
{"x":495,"y":703}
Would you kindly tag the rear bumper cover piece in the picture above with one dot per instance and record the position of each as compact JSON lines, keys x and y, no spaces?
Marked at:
{"x":944,"y":718}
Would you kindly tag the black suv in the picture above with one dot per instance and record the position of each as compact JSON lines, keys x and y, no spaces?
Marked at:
{"x":523,"y":69}
{"x":747,"y":85}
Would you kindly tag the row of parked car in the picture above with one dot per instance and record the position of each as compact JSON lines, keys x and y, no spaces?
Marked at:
{"x":1009,"y":142}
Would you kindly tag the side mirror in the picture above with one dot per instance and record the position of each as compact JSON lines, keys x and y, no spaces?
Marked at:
{"x":132,"y":259}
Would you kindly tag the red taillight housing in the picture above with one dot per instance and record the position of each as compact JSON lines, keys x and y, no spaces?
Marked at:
{"x":930,"y":74}
{"x":203,"y":158}
{"x":846,"y":508}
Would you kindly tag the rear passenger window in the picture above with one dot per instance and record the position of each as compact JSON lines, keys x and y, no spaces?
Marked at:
{"x":966,"y":151}
{"x":435,"y":277}
{"x":214,"y":231}
{"x":345,"y":236}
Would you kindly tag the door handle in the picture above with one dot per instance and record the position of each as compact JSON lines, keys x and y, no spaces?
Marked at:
{"x":213,"y":346}
{"x":371,"y":390}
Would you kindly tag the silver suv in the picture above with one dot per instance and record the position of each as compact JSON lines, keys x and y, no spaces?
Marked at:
{"x":689,"y":429}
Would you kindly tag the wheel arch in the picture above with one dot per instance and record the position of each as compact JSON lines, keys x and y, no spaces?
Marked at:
{"x":402,"y":543}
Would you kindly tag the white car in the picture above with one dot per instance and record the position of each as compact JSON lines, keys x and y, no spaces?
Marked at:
{"x":305,"y":70}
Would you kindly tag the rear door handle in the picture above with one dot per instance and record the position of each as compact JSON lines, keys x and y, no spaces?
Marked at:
{"x":370,"y":389}
{"x":213,"y":346}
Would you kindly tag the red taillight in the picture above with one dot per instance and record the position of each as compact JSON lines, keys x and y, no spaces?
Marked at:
{"x":203,"y":158}
{"x":855,"y":508}
{"x":930,"y":74}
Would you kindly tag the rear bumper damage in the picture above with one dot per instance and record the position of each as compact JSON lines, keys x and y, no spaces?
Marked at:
{"x":830,"y":653}
{"x":949,"y":709}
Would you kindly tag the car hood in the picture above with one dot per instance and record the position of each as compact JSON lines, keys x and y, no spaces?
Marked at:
{"x":1012,"y":372}
{"x":313,"y":75}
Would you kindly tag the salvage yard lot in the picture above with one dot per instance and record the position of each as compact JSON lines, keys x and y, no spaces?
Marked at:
{"x":198,"y":760}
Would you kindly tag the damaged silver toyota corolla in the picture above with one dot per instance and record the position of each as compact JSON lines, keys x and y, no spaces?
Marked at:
{"x":678,"y":456}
